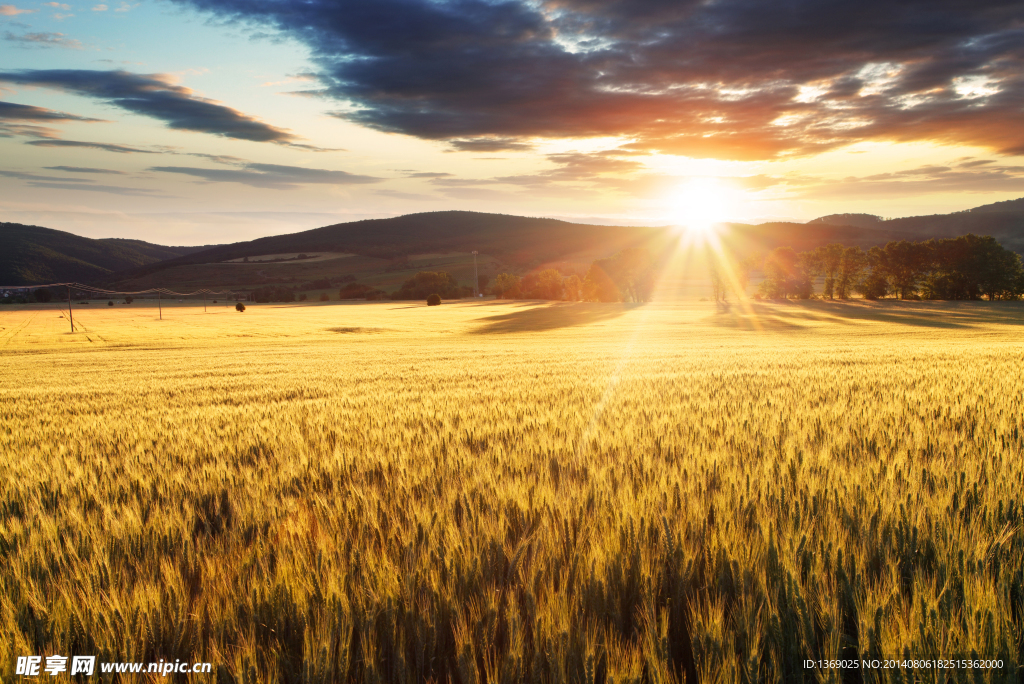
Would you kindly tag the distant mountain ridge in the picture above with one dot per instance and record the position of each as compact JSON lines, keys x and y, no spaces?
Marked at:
{"x":522,"y":242}
{"x":859,"y":220}
{"x":1016,"y":205}
{"x":32,"y":255}
{"x":1003,"y":221}
{"x":518,"y":241}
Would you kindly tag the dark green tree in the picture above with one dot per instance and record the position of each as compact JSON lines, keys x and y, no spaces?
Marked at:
{"x":548,"y":285}
{"x":972,"y":267}
{"x":785,"y":275}
{"x":873,"y":285}
{"x":719,"y":291}
{"x":903,"y":264}
{"x":507,"y":285}
{"x":598,"y":285}
{"x":628,"y":276}
{"x":826,"y":261}
{"x":263,"y":295}
{"x":573,"y":288}
{"x":850,"y":267}
{"x":426,"y":283}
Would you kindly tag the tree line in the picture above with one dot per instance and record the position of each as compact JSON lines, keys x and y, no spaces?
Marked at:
{"x":629,"y":276}
{"x":968,"y":267}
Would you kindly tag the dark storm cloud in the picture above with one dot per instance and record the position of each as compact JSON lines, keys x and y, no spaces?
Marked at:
{"x":276,"y":176}
{"x":743,"y":79}
{"x":11,"y":111}
{"x":156,"y":96}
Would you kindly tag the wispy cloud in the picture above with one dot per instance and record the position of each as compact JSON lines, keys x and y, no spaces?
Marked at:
{"x":295,"y":78}
{"x":64,"y":7}
{"x":44,"y":40}
{"x":159,"y":97}
{"x":107,"y":147}
{"x":275,"y":176}
{"x":398,"y":194}
{"x":490,"y":144}
{"x":426,"y":174}
{"x":12,"y":11}
{"x":112,"y":189}
{"x":921,"y":180}
{"x":13,"y":130}
{"x":85,"y":169}
{"x":11,"y":111}
{"x":218,"y":158}
{"x":575,"y":167}
{"x":22,"y":175}
{"x":87,"y":184}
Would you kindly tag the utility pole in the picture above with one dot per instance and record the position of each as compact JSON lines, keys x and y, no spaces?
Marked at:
{"x":476,"y":276}
{"x":204,"y":302}
{"x":159,"y":305}
{"x":71,"y":316}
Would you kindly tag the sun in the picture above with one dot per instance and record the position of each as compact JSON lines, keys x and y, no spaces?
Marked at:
{"x":699,"y":205}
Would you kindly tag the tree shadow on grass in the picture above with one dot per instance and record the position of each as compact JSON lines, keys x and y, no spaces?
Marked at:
{"x":939,"y":315}
{"x":751,"y":318}
{"x":943,"y":315}
{"x":551,"y":317}
{"x":518,"y":303}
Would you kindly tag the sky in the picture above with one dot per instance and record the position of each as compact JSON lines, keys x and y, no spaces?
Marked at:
{"x":210,"y":121}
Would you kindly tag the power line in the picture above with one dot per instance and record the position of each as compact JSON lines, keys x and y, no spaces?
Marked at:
{"x":90,"y":289}
{"x":99,"y":290}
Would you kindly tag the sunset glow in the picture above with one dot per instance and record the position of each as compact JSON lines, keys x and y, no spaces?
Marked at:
{"x":201,"y":121}
{"x":699,"y":205}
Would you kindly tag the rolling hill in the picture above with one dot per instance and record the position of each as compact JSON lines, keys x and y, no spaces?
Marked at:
{"x":383,"y":251}
{"x":31,"y":255}
{"x":387,"y":251}
{"x":518,"y":241}
{"x":522,"y":242}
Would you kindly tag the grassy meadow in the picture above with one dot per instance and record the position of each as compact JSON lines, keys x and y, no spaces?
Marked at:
{"x":489,"y":492}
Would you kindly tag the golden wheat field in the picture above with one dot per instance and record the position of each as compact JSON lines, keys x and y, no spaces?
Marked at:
{"x":489,"y":492}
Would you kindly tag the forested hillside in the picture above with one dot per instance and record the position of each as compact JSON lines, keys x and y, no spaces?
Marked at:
{"x":31,"y":255}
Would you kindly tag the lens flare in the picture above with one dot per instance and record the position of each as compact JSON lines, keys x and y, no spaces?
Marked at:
{"x":699,"y":205}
